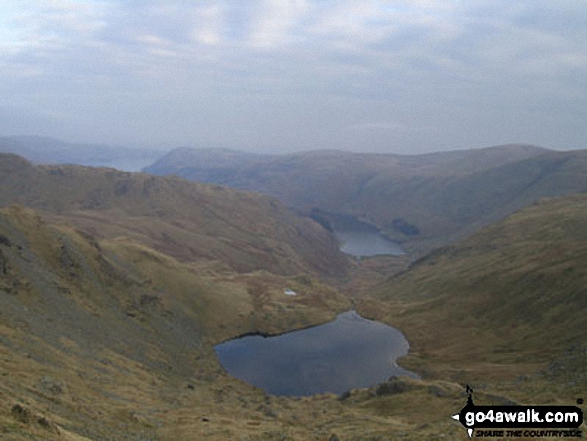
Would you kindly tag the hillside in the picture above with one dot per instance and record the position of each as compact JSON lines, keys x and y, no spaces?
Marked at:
{"x":111,"y":340}
{"x":114,"y":340}
{"x":104,"y":337}
{"x":186,"y":220}
{"x":340,"y":177}
{"x":424,"y":201}
{"x":511,"y":295}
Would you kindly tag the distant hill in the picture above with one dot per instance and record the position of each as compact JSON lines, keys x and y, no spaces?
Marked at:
{"x":424,"y":201}
{"x":183,"y":219}
{"x":42,"y":150}
{"x":512,"y":293}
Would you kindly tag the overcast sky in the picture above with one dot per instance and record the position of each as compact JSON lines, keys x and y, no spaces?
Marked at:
{"x":285,"y":75}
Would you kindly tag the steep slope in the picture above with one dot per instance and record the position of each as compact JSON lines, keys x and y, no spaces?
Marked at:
{"x":186,"y":220}
{"x":513,"y":293}
{"x":424,"y":200}
{"x":455,"y":206}
{"x":111,"y":340}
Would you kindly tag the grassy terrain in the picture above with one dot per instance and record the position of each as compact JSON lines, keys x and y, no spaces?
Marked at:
{"x":105,"y":339}
{"x":501,"y":304}
{"x":114,"y":340}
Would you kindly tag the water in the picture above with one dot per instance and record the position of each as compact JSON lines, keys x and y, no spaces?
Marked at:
{"x":365,"y":243}
{"x":357,"y":237}
{"x":349,"y":352}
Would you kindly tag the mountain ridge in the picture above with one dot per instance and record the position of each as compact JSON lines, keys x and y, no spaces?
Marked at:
{"x":184,"y":219}
{"x":46,"y":150}
{"x":431,"y":192}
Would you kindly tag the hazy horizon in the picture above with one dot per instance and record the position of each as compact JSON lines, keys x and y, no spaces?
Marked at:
{"x":277,"y":76}
{"x":57,"y":144}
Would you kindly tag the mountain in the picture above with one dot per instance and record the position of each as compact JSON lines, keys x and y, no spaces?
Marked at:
{"x":42,"y":150}
{"x":511,"y":295}
{"x":240,"y":167}
{"x":116,"y":287}
{"x":186,"y":220}
{"x":424,"y":201}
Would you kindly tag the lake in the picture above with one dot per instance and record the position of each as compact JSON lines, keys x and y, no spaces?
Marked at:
{"x":348,"y":352}
{"x":364,"y":244}
{"x":361,"y":239}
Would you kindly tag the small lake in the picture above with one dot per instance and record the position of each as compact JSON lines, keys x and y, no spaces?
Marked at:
{"x":361,"y":239}
{"x":348,"y":352}
{"x":364,"y":244}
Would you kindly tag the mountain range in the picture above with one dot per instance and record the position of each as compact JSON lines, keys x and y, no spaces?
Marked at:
{"x":422,"y":201}
{"x":43,"y":150}
{"x":115,"y":287}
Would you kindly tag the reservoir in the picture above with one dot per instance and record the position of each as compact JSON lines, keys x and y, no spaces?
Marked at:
{"x":364,"y":244}
{"x":361,"y":239}
{"x":348,"y":352}
{"x":355,"y":236}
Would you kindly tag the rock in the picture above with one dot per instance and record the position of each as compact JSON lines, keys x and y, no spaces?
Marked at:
{"x":21,"y":413}
{"x":345,"y":395}
{"x":5,"y":241}
{"x":48,"y":384}
{"x":438,"y":391}
{"x":48,"y":425}
{"x":392,"y":387}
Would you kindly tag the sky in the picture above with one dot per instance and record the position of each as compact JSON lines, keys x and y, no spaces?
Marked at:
{"x":406,"y":76}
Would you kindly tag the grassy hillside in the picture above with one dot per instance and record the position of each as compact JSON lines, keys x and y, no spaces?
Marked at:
{"x":186,"y":220}
{"x":511,"y":296}
{"x":424,"y":201}
{"x":114,"y":340}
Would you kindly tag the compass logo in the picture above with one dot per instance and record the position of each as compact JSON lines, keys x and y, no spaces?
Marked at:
{"x":518,"y":421}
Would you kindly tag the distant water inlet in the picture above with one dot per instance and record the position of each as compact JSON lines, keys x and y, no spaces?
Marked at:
{"x":349,"y":352}
{"x":361,"y":239}
{"x":363,"y":244}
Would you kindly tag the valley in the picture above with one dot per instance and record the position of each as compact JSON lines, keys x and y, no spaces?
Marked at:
{"x":421,"y":201}
{"x":115,"y":287}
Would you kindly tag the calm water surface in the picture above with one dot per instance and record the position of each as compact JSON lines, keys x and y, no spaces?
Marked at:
{"x":363,"y":244}
{"x":361,"y":239}
{"x":349,"y":352}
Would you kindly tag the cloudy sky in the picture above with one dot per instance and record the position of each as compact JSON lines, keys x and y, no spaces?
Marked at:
{"x":403,"y":76}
